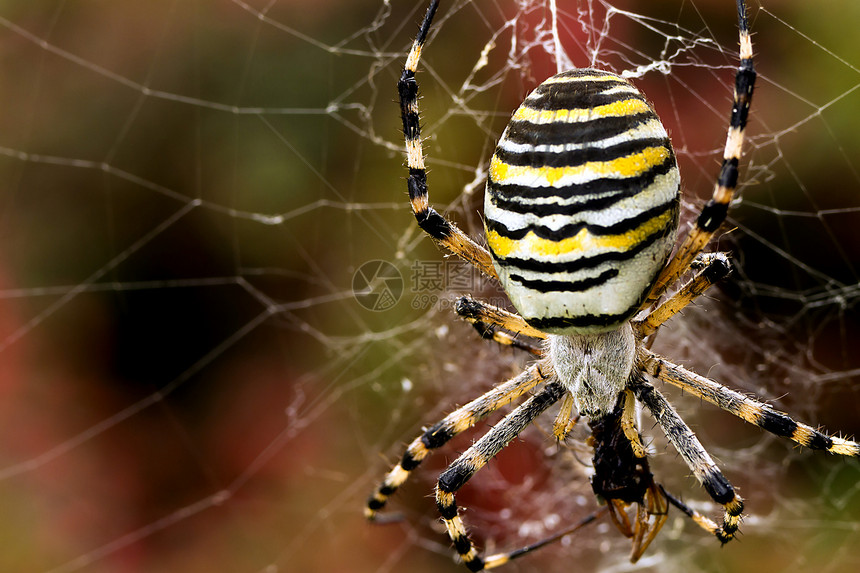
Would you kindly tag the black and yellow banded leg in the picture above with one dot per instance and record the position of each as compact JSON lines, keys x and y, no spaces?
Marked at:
{"x":716,"y":268}
{"x":475,"y":458}
{"x":492,"y":561}
{"x":505,"y":338}
{"x":691,"y":450}
{"x":445,"y":234}
{"x":500,"y":325}
{"x":745,"y":408}
{"x":702,"y":521}
{"x":440,"y":433}
{"x":714,"y":212}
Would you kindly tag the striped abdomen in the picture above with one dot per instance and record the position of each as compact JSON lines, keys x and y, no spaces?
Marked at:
{"x":582,"y":199}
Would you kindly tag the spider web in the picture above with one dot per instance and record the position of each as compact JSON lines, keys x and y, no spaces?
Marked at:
{"x":199,"y":372}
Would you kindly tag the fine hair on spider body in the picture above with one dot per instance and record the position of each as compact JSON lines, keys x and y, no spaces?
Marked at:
{"x":594,"y":368}
{"x":581,"y":218}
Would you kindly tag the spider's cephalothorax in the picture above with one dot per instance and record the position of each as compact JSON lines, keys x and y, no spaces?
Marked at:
{"x":582,"y":199}
{"x":594,"y":368}
{"x":581,"y":215}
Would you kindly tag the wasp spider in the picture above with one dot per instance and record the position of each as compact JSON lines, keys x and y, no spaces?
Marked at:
{"x":581,"y":212}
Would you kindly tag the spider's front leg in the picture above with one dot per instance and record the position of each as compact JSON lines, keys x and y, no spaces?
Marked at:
{"x":714,"y":212}
{"x":443,"y":232}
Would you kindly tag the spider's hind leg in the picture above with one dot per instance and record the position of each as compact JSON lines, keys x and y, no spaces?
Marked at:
{"x":745,"y":407}
{"x":440,"y":433}
{"x":475,"y":458}
{"x":696,"y":457}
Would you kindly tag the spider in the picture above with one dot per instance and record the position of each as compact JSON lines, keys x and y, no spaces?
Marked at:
{"x":581,"y":215}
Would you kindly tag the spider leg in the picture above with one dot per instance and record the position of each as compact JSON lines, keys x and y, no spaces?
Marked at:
{"x":714,"y":212}
{"x":699,"y":461}
{"x":476,"y":311}
{"x":475,"y":458}
{"x":494,"y":333}
{"x":492,"y":561}
{"x":488,"y":319}
{"x":445,"y":234}
{"x":702,"y":521}
{"x":454,"y":423}
{"x":716,"y":268}
{"x":745,"y":408}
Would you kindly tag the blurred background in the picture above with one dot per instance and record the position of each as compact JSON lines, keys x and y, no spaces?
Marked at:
{"x":219,"y":325}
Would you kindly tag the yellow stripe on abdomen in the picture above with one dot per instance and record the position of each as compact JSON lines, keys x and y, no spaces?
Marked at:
{"x":583,"y":241}
{"x":626,"y":166}
{"x":618,"y":108}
